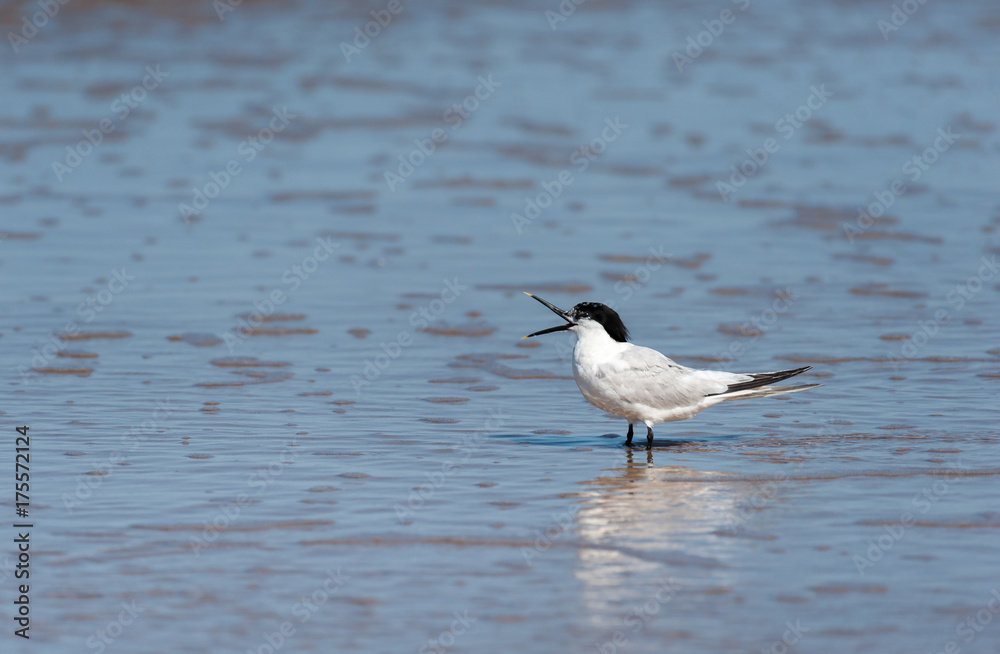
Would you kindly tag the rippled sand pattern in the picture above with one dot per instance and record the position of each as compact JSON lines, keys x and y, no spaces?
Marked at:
{"x":262,"y":311}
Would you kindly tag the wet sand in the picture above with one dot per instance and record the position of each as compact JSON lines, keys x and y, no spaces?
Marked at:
{"x":266,"y":331}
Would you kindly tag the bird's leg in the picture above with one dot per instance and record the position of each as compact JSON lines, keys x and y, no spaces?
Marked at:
{"x":649,"y":437}
{"x":628,"y":436}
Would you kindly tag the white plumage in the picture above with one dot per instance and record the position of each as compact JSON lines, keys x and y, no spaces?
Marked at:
{"x":641,"y":384}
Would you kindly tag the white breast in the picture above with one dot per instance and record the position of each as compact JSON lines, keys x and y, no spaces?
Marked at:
{"x":597,"y":363}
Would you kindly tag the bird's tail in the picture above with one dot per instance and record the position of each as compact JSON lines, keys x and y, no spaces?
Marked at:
{"x":759,"y":385}
{"x":766,"y":391}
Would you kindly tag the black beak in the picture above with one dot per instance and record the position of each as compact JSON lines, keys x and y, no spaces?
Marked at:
{"x":556,"y":310}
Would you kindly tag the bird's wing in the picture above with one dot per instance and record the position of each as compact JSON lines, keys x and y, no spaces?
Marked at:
{"x":645,"y":376}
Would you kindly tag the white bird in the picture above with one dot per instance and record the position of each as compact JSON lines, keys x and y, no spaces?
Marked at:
{"x":642,"y":385}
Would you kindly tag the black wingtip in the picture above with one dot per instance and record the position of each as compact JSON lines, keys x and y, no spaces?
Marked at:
{"x":764,"y":378}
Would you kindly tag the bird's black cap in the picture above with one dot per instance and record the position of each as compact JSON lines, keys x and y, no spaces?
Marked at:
{"x":601,"y":313}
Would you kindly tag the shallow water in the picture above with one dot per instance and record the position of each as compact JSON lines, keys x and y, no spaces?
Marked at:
{"x":380,"y":440}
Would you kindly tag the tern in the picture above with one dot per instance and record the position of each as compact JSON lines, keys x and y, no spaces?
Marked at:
{"x":640,"y":384}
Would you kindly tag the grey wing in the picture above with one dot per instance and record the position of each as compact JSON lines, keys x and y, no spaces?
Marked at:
{"x":653,"y":379}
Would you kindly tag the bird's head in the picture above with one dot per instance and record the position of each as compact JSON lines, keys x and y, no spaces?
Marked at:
{"x":586,"y":316}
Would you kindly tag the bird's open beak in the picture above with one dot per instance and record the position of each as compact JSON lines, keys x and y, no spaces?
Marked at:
{"x":556,"y":310}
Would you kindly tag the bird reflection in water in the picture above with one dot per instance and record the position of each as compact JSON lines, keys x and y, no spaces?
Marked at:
{"x":642,"y":524}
